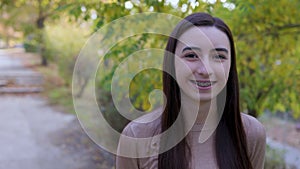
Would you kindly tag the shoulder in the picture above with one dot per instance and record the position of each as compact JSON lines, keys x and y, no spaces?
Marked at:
{"x":137,"y":139}
{"x":145,"y":126}
{"x":256,"y":140}
{"x":253,"y":128}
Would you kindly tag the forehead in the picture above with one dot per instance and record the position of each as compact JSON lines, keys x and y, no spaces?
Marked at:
{"x":204,"y":37}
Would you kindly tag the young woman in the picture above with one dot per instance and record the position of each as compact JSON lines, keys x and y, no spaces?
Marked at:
{"x":202,"y":119}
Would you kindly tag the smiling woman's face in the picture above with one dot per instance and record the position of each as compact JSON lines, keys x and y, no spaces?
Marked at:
{"x":202,"y":62}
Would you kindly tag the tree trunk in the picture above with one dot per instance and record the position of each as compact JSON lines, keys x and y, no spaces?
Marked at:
{"x":40,"y":25}
{"x":44,"y":58}
{"x":41,"y":22}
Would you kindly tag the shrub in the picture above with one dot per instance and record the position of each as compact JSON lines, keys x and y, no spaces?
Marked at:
{"x":275,"y":159}
{"x":63,"y":43}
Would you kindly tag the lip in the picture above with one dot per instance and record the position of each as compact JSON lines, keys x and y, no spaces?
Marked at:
{"x":203,"y":81}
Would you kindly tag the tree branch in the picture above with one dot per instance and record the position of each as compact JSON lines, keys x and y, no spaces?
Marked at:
{"x":289,"y":26}
{"x":262,"y":93}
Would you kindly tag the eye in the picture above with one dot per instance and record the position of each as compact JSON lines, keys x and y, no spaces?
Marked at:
{"x":190,"y":56}
{"x":220,"y":57}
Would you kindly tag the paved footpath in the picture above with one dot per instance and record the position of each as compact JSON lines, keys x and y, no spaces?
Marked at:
{"x":29,"y":125}
{"x":24,"y":143}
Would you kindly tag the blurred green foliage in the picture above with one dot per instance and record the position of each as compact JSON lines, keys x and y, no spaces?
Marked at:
{"x":63,"y":42}
{"x":140,"y":83}
{"x":267,"y":43}
{"x":30,"y":46}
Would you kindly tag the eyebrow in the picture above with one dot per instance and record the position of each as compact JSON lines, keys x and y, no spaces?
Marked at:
{"x":199,"y":49}
{"x":221,"y":50}
{"x":191,"y":48}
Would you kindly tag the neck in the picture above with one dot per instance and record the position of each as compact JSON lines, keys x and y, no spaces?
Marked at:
{"x":206,"y":108}
{"x":203,"y":112}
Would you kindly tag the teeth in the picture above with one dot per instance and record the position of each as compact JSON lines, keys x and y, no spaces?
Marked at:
{"x":203,"y":84}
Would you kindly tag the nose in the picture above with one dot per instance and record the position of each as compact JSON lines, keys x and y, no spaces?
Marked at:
{"x":203,"y":68}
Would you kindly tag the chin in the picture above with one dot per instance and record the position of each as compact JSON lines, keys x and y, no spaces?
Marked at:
{"x":203,"y":97}
{"x":206,"y":99}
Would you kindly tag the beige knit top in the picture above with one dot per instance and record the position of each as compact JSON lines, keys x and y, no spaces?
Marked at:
{"x":203,"y":154}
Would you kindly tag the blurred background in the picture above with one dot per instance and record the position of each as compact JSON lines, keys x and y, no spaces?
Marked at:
{"x":41,"y":39}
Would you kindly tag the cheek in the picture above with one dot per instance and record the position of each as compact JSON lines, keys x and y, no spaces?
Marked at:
{"x":182,"y":68}
{"x":228,"y":66}
{"x":179,"y":74}
{"x":221,"y":71}
{"x":227,"y":69}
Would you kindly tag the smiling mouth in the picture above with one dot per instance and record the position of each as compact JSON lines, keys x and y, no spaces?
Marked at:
{"x":203,"y":83}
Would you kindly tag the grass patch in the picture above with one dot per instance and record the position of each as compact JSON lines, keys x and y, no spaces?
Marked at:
{"x":57,"y":91}
{"x":62,"y":97}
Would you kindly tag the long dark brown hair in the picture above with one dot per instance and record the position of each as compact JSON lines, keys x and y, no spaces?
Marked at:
{"x":231,"y":143}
